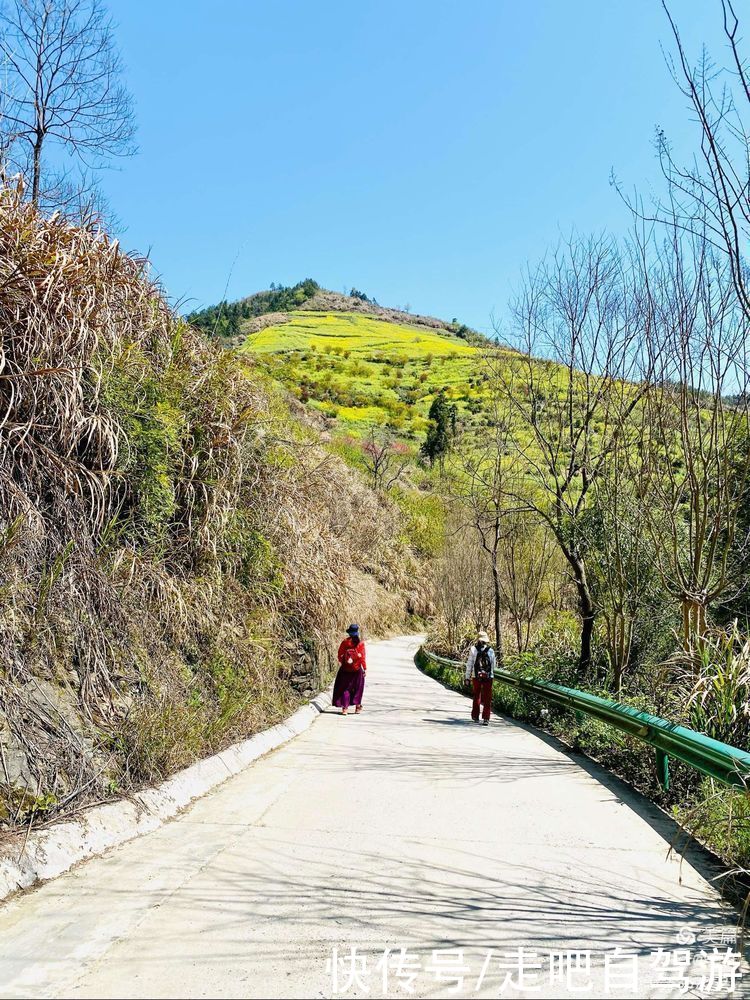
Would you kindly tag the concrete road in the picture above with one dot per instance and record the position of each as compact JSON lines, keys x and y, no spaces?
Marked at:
{"x":406,"y":827}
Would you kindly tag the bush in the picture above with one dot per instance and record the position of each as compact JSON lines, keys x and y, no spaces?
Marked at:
{"x":557,"y":647}
{"x":716,"y":673}
{"x":424,"y":520}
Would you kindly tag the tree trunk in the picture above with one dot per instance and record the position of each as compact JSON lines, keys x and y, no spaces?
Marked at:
{"x":498,"y":626}
{"x":587,"y":632}
{"x":37,"y":170}
{"x":497,"y":593}
{"x":519,"y":625}
{"x":587,"y":612}
{"x":693,"y":622}
{"x":619,"y":649}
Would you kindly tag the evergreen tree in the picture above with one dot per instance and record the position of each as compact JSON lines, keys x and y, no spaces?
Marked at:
{"x":441,"y":431}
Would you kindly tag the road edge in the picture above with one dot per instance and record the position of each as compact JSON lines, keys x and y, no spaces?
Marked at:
{"x":50,"y":852}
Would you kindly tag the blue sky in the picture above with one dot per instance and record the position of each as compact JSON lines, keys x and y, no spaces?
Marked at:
{"x":420,"y":151}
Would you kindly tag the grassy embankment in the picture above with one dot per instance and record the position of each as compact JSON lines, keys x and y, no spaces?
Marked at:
{"x":356,"y":373}
{"x":175,"y":547}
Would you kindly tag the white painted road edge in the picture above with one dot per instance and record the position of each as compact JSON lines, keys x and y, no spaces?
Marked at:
{"x":50,"y":852}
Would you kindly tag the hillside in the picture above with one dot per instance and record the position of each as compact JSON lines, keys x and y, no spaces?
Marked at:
{"x":362,"y":371}
{"x":355,"y":364}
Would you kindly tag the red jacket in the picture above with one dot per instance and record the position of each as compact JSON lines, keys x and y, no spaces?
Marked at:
{"x":352,"y":654}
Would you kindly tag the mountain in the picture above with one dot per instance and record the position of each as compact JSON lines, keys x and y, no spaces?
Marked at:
{"x":353,"y":362}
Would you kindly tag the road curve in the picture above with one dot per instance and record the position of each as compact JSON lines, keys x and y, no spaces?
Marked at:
{"x":406,"y":827}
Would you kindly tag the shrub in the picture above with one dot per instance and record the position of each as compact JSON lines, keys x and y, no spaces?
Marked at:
{"x":424,"y":520}
{"x":717,"y":674}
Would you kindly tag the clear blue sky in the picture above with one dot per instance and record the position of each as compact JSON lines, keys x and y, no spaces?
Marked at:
{"x":420,"y":150}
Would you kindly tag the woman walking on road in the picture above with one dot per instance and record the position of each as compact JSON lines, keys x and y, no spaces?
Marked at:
{"x":349,"y":685}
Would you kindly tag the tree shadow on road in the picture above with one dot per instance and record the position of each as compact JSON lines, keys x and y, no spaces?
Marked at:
{"x":274,"y":899}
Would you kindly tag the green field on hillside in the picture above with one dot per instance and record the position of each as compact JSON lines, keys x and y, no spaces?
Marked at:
{"x":355,"y":332}
{"x":366,"y":372}
{"x":362,"y":372}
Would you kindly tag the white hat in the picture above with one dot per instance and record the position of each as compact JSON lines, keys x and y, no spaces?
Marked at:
{"x":483,"y":637}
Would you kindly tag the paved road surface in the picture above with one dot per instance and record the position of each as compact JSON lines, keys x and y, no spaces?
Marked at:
{"x":405,"y":827}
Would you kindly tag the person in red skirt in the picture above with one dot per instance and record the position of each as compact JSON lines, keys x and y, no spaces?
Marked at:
{"x":349,"y":685}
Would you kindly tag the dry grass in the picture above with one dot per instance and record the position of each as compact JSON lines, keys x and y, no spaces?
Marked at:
{"x":174,"y":551}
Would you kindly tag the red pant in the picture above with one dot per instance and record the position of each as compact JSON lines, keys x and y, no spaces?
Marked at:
{"x":483,"y":693}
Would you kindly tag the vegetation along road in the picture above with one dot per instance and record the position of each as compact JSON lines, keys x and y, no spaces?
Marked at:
{"x":404,"y":828}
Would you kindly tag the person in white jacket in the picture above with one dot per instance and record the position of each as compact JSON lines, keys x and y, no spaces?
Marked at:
{"x":480,"y":670}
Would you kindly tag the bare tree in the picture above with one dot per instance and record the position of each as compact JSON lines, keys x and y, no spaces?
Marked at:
{"x":709,"y":196}
{"x":620,"y":554}
{"x":463,"y":585}
{"x":385,"y":458}
{"x":583,"y":311}
{"x":528,"y":568}
{"x":64,"y":89}
{"x":481,"y":491}
{"x":696,"y":424}
{"x":693,"y":458}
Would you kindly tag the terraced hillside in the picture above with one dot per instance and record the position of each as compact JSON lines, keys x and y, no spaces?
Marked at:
{"x":361,"y":371}
{"x":354,"y":363}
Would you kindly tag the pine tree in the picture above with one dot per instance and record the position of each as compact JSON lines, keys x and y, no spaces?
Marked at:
{"x":441,"y":431}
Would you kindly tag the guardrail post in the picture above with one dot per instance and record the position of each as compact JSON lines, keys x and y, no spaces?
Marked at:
{"x":662,"y":769}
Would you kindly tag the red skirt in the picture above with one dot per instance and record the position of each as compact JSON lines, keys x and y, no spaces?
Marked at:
{"x":348,"y":687}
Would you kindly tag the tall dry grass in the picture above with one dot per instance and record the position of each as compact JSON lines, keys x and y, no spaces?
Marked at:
{"x":175,"y":552}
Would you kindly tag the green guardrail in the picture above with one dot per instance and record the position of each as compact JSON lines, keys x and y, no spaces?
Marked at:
{"x":718,"y":760}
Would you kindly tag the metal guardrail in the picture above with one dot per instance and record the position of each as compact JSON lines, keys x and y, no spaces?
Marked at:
{"x":718,"y":760}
